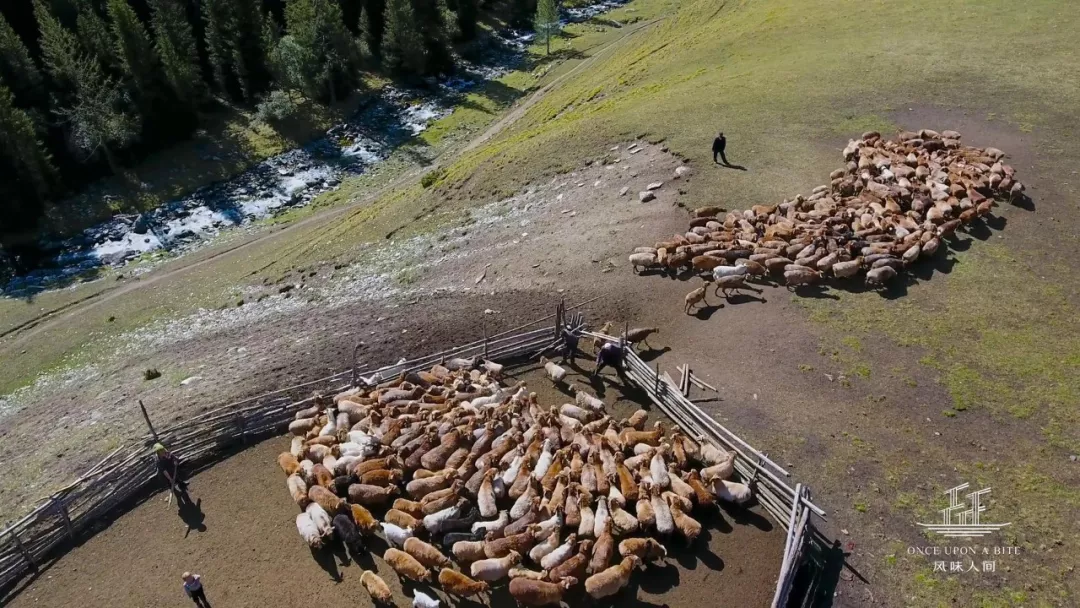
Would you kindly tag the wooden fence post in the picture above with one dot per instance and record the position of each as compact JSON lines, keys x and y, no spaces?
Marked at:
{"x":146,"y":417}
{"x":26,"y":554}
{"x":61,"y":509}
{"x":484,"y":319}
{"x":355,"y":369}
{"x":242,"y":423}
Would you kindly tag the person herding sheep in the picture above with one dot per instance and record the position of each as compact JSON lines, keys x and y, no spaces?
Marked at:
{"x":168,"y":466}
{"x":718,"y":146}
{"x":194,"y":589}
{"x":569,"y":344}
{"x":610,"y":354}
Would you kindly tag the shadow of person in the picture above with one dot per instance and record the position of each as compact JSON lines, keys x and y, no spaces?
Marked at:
{"x":190,"y":513}
{"x":730,"y":166}
{"x":325,"y":558}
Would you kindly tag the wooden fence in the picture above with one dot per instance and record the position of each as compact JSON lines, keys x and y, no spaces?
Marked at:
{"x":129,"y":473}
{"x":790,"y":507}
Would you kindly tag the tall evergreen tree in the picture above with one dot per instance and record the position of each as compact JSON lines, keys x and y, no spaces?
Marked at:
{"x":136,"y":55}
{"x":467,"y":12}
{"x":547,"y":20}
{"x":316,"y":26}
{"x":59,"y":51}
{"x":403,"y":43}
{"x":97,"y":120}
{"x":94,"y":35}
{"x":236,"y":46}
{"x":31,"y":163}
{"x":18,"y":69}
{"x":175,"y":44}
{"x":430,"y":20}
{"x":373,"y":25}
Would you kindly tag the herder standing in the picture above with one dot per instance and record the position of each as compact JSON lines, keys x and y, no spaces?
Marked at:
{"x":718,"y":146}
{"x":194,"y":589}
{"x":169,"y":467}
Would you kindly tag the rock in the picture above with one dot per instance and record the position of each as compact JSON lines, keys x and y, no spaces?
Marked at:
{"x":682,"y":171}
{"x":141,"y":225}
{"x":624,"y":190}
{"x":284,"y":171}
{"x":654,"y":186}
{"x":189,"y":380}
{"x":646,"y":196}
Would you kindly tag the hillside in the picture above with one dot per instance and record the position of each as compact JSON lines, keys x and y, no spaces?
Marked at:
{"x":969,"y":373}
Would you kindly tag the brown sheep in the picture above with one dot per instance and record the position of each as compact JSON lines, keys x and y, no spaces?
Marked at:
{"x":539,"y":593}
{"x":406,"y":565}
{"x":365,"y":522}
{"x":288,"y":463}
{"x":426,"y":554}
{"x":456,"y":583}
{"x":325,"y":498}
{"x":694,"y":298}
{"x":377,"y":588}
{"x":611,"y":581}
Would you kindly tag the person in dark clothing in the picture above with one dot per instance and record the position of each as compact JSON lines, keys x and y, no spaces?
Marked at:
{"x":610,"y":354}
{"x":569,"y":345}
{"x":168,"y":467}
{"x":194,"y":589}
{"x":718,"y":146}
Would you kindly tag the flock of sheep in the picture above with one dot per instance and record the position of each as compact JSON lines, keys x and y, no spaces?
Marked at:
{"x":892,"y":204}
{"x":476,"y":483}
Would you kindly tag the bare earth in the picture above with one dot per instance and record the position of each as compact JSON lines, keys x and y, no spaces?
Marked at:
{"x":567,"y":239}
{"x":244,"y":543}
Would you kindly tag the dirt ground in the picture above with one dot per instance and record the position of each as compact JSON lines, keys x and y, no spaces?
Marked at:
{"x":865,"y":445}
{"x":243,"y":542}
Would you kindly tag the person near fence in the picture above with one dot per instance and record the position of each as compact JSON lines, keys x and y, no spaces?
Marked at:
{"x":610,"y":354}
{"x":569,"y":344}
{"x":168,"y":466}
{"x":193,"y":587}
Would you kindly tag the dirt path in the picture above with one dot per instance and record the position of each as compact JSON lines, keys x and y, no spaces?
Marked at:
{"x":27,"y":330}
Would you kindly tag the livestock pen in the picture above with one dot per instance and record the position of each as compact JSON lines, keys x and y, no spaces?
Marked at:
{"x":126,"y":476}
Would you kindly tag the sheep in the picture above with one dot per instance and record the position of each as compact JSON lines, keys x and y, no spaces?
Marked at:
{"x":879,"y":276}
{"x":695,"y":297}
{"x":731,"y":491}
{"x":725,"y":284}
{"x":309,"y":531}
{"x":493,"y":569}
{"x":410,"y":507}
{"x":643,"y":260}
{"x":665,"y":525}
{"x":492,"y":526}
{"x":436,"y":522}
{"x":646,"y":549}
{"x":575,"y":567}
{"x":302,"y":426}
{"x":288,"y":463}
{"x":584,"y":399}
{"x":298,"y":490}
{"x":371,"y":496}
{"x":516,"y":543}
{"x":530,"y":592}
{"x":466,"y":551}
{"x":347,"y":532}
{"x":612,"y":580}
{"x":456,"y":583}
{"x":363,"y":519}
{"x":560,"y":554}
{"x":549,"y":544}
{"x":425,"y":553}
{"x":325,"y":498}
{"x":556,"y":373}
{"x":603,"y":550}
{"x":423,"y":600}
{"x":640,"y":335}
{"x":395,"y":535}
{"x":320,"y":518}
{"x":801,"y":275}
{"x":406,"y":565}
{"x":689,"y":527}
{"x":376,"y":587}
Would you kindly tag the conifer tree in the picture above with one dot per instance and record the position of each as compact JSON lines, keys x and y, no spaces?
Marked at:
{"x":547,"y":20}
{"x":373,"y":25}
{"x":467,"y":12}
{"x":18,"y":69}
{"x":135,"y":54}
{"x":402,"y":43}
{"x":316,"y":26}
{"x":98,"y":121}
{"x":175,"y":44}
{"x":59,"y":51}
{"x":31,"y":164}
{"x":94,"y":36}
